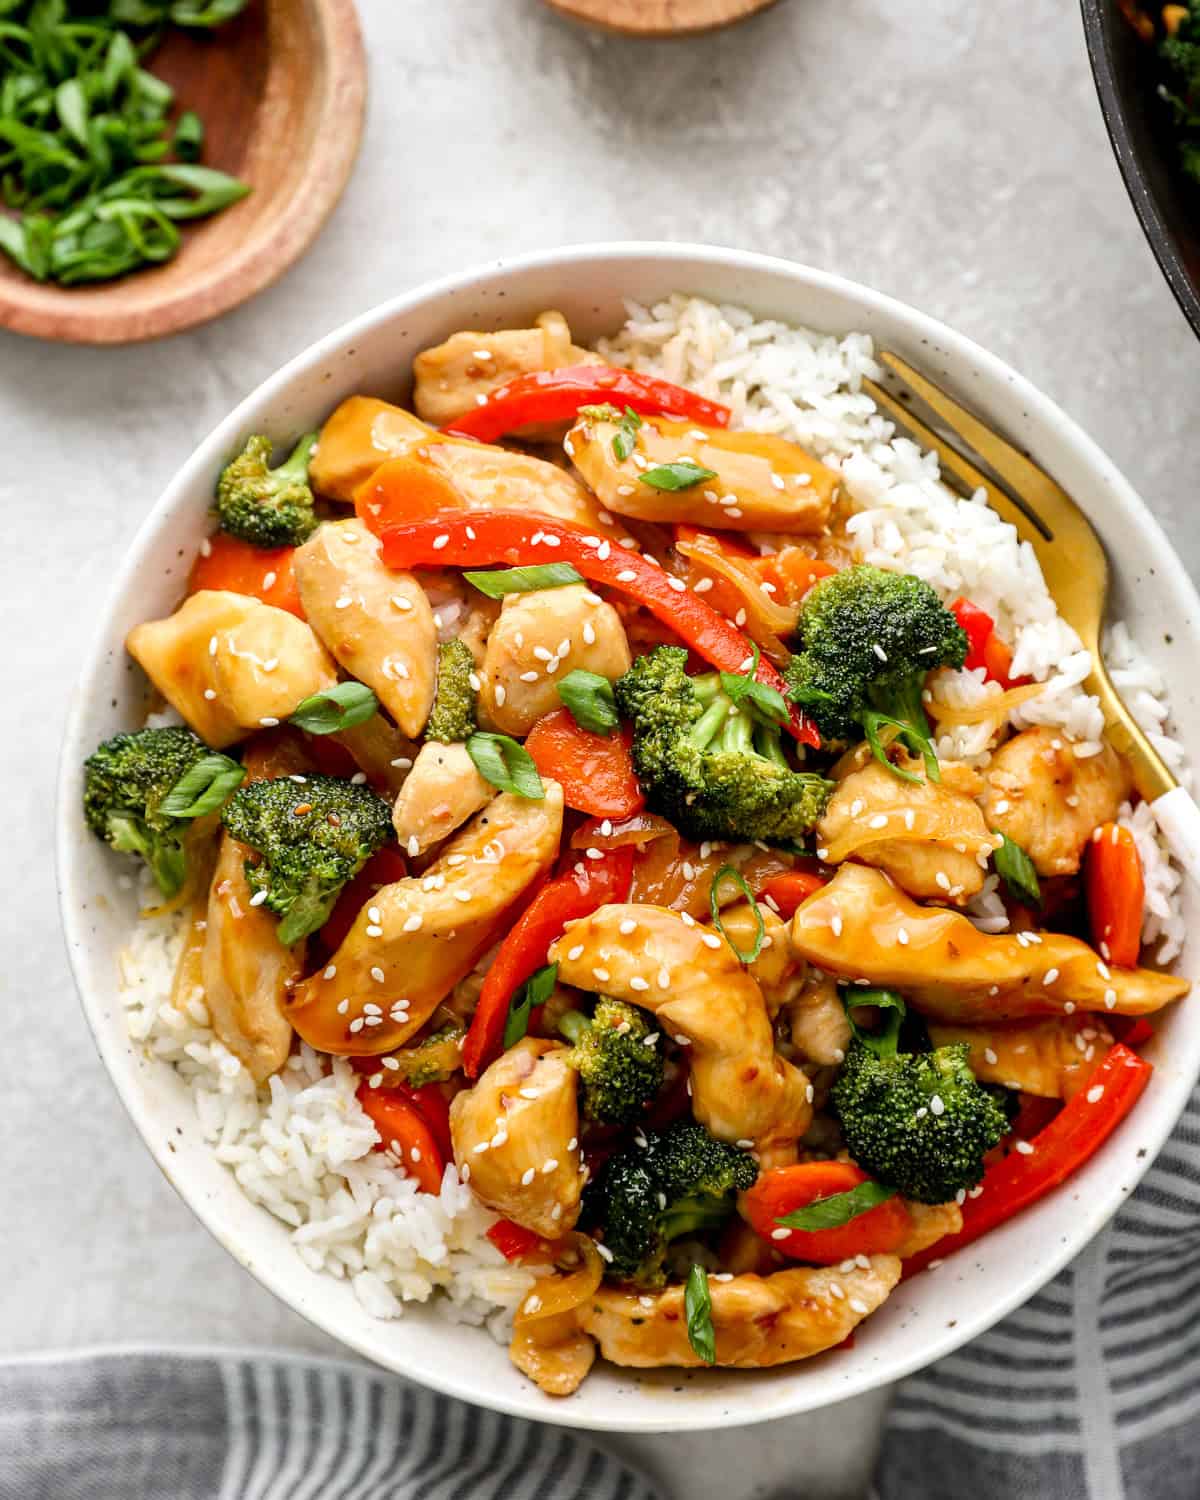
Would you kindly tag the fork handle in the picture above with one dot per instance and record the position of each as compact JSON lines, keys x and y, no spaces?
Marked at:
{"x":1178,"y":816}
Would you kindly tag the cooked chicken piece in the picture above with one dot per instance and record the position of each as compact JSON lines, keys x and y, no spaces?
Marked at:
{"x":930,"y":837}
{"x":819,"y":1027}
{"x":762,"y":483}
{"x":450,"y":378}
{"x":1047,"y":799}
{"x":377,"y":623}
{"x":442,"y":791}
{"x":363,"y":433}
{"x":230,"y":664}
{"x":1050,"y":1058}
{"x":861,"y":927}
{"x":246,"y":970}
{"x":417,"y":938}
{"x":690,"y":980}
{"x":776,"y":965}
{"x":537,"y":640}
{"x":516,"y":1134}
{"x":930,"y":1223}
{"x":379,"y":750}
{"x":759,"y":1321}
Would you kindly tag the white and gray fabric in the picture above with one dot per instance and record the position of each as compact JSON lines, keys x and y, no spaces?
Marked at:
{"x":1091,"y":1391}
{"x":179,"y":1426}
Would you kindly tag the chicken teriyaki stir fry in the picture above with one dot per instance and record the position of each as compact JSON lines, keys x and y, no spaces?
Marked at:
{"x":547,"y":753}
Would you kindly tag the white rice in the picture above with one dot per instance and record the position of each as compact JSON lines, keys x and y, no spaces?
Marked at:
{"x":302,"y":1146}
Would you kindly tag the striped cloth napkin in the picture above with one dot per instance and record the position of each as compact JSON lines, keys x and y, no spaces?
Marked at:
{"x":1091,"y":1391}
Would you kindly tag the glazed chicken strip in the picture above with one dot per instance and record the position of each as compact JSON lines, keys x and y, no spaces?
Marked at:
{"x":761,"y":483}
{"x":776,"y":966}
{"x":363,"y":433}
{"x":449,"y":378}
{"x":1050,"y":1058}
{"x":246,"y":971}
{"x":1044,"y":797}
{"x":537,"y":640}
{"x":230,"y":664}
{"x":930,"y":1222}
{"x":860,"y":926}
{"x":759,"y":1321}
{"x":690,"y":980}
{"x":817,"y":1019}
{"x":516,"y":1137}
{"x":930,"y":837}
{"x":442,"y":791}
{"x":417,"y":938}
{"x":377,"y":623}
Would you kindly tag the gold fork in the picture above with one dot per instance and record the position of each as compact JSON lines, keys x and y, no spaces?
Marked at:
{"x":1073,"y":564}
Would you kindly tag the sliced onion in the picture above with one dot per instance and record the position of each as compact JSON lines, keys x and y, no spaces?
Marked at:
{"x":996,"y":707}
{"x":739,"y":587}
{"x":558,"y":1294}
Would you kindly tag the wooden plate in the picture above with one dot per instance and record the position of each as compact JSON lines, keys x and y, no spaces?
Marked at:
{"x":658,"y":17}
{"x":281,"y":91}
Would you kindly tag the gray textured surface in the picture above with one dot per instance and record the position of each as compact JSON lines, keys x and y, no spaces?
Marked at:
{"x":948,"y":151}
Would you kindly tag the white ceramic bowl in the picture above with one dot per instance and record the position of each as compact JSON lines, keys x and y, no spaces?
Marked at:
{"x":937,"y":1311}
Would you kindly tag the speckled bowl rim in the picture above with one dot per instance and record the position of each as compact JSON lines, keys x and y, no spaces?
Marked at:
{"x":975,"y":1289}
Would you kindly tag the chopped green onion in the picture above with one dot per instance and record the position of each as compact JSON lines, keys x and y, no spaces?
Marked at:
{"x":727,"y":872}
{"x":883,"y":1041}
{"x":536,"y":990}
{"x":1017,"y":871}
{"x":506,"y":764}
{"x":680,"y":475}
{"x":340,"y":707}
{"x":697,"y":1306}
{"x":591,"y":700}
{"x":527,"y":580}
{"x":744,"y":686}
{"x":838,"y":1208}
{"x":204,"y":788}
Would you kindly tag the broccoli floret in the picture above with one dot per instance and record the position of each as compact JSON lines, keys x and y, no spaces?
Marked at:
{"x":680,"y":1182}
{"x":311,"y":838}
{"x":264,"y":506}
{"x":452,"y":717}
{"x":126,"y":780}
{"x":619,"y":1072}
{"x":869,"y":640}
{"x":919,"y":1121}
{"x":715,"y":768}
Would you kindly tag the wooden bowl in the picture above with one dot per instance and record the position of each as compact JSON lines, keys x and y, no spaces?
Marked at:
{"x":658,"y":18}
{"x":281,"y":91}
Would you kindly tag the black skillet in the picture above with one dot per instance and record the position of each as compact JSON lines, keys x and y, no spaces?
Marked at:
{"x":1167,"y":203}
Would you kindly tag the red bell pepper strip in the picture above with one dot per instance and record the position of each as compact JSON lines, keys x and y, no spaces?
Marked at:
{"x":514,"y":1241}
{"x":595,"y":771}
{"x":877,"y":1231}
{"x":1078,"y":1130}
{"x":585,"y":886}
{"x":557,"y":395}
{"x":405,"y":1129}
{"x":1116,"y":894}
{"x":261,"y":572}
{"x":984,"y":647}
{"x":475,"y":541}
{"x":790,"y":890}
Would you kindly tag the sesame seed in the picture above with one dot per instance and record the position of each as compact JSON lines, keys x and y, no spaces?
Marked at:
{"x":413,"y":923}
{"x":1110,"y":998}
{"x":878,"y":821}
{"x":1049,"y":976}
{"x":604,"y":1252}
{"x":374,"y":931}
{"x":209,"y":694}
{"x":664,"y":978}
{"x":473,"y":679}
{"x":686,"y":917}
{"x":636,"y":982}
{"x":857,"y":1305}
{"x":377,"y":974}
{"x":835,"y":1290}
{"x":212,"y":645}
{"x":989,"y":1056}
{"x":258,"y":898}
{"x":879,"y":651}
{"x":710,"y":940}
{"x":808,"y":1094}
{"x":936,"y":1106}
{"x":780,"y":1234}
{"x":480,"y":1148}
{"x":627,"y":926}
{"x":527,"y":1176}
{"x":441,"y":541}
{"x":651,"y":1040}
{"x":549,"y":1165}
{"x":835,"y":924}
{"x":1095,"y":1093}
{"x":576,"y":952}
{"x":1024,"y":1148}
{"x":626,"y":575}
{"x":342,"y":1007}
{"x":677,"y":584}
{"x":268,"y":722}
{"x":330,"y":972}
{"x":902,"y":936}
{"x":942,"y":880}
{"x":1104,"y":971}
{"x":602,"y":975}
{"x":573,"y":1143}
{"x":357,"y":1024}
{"x":392,"y":1064}
{"x":373,"y":914}
{"x":529,"y":677}
{"x":1069,"y":1007}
